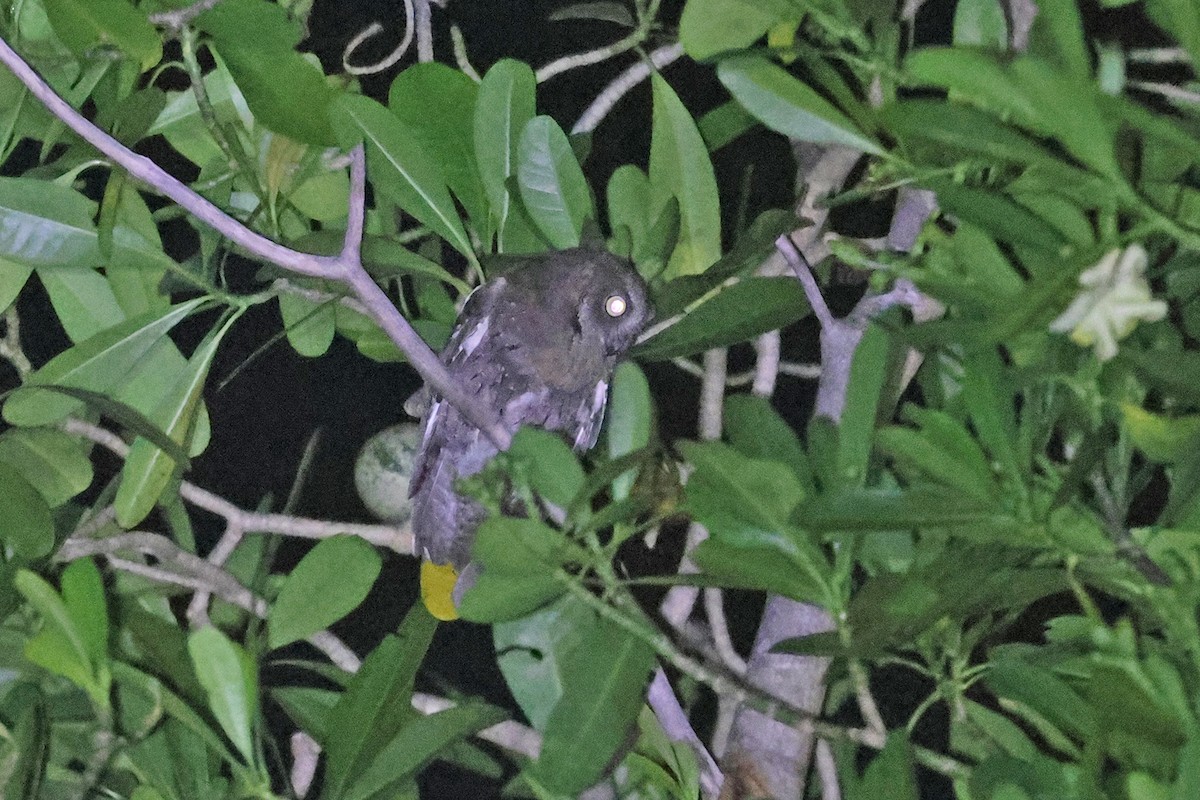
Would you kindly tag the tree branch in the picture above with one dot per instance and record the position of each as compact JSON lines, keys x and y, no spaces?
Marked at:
{"x":336,"y":268}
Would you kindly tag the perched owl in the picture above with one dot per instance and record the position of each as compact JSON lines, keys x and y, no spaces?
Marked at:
{"x":538,"y":345}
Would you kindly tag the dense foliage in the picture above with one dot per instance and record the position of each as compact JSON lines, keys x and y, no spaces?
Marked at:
{"x":997,"y":501}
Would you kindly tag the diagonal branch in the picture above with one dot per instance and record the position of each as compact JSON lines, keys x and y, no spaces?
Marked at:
{"x":345,"y":268}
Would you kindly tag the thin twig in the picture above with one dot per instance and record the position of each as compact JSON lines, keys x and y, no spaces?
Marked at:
{"x":370,"y":32}
{"x":662,"y":700}
{"x":595,"y":113}
{"x":460,"y":54}
{"x":10,"y":346}
{"x":424,"y":26}
{"x":575,"y":60}
{"x":395,"y":538}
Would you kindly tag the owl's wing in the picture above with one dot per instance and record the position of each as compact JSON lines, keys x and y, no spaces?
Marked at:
{"x":440,"y":426}
{"x":590,"y":417}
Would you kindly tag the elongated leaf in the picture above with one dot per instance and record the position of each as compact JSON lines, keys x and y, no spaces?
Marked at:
{"x":328,"y":583}
{"x":437,"y":103}
{"x":680,"y":168}
{"x":709,"y":27}
{"x":257,"y":43}
{"x":44,"y":224}
{"x":59,"y":646}
{"x":756,"y":430}
{"x":85,"y":24}
{"x":310,"y":326}
{"x":83,"y":300}
{"x":25,"y":747}
{"x":400,"y":168}
{"x":740,"y":500}
{"x":738,"y":313}
{"x":148,"y":469}
{"x":174,"y":705}
{"x":419,"y":742}
{"x":981,"y":23}
{"x":12,"y":280}
{"x":627,"y":427}
{"x":1004,"y":219}
{"x":230,"y":680}
{"x":889,"y":509}
{"x":605,"y":682}
{"x":98,"y":364}
{"x":784,"y":104}
{"x":530,"y":651}
{"x":83,"y":595}
{"x":551,"y":182}
{"x":25,"y":522}
{"x":51,"y":461}
{"x":376,"y":704}
{"x":506,"y":104}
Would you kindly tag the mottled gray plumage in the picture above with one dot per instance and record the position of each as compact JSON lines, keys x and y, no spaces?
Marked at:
{"x":537,"y":344}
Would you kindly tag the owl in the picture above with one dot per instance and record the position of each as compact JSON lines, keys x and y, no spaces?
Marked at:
{"x":538,"y":345}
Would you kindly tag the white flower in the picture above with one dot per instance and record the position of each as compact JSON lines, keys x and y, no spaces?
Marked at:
{"x":1114,"y":296}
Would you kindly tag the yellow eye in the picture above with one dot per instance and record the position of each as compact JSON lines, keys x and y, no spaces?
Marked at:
{"x":616,"y":305}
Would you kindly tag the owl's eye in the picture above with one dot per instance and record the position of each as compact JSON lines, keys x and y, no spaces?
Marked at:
{"x":615,"y":305}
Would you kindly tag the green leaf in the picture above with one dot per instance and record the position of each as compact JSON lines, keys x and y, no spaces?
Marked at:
{"x":1180,"y":19}
{"x":738,"y":313}
{"x":174,"y":706}
{"x":1004,"y":219}
{"x":12,"y":280}
{"x":83,"y":595}
{"x":399,"y":167}
{"x":329,"y":582}
{"x":506,"y":104}
{"x":59,"y":646}
{"x":961,"y":129}
{"x":25,"y":523}
{"x":709,"y":27}
{"x":437,"y":103}
{"x":51,"y":461}
{"x":530,"y":651}
{"x":548,"y":463}
{"x":891,"y":509}
{"x":83,"y":300}
{"x":890,"y":773}
{"x":739,"y":499}
{"x":776,"y":566}
{"x":755,"y":430}
{"x":630,"y":417}
{"x":520,"y":560}
{"x":44,"y":224}
{"x":25,"y":742}
{"x":680,"y":168}
{"x":551,"y":182}
{"x":230,"y":680}
{"x":418,"y":743}
{"x":310,"y":326}
{"x":1057,"y":35}
{"x":148,"y":468}
{"x":784,"y":104}
{"x":915,"y":451}
{"x":85,"y":24}
{"x":981,"y":23}
{"x":1163,"y":439}
{"x":99,"y":364}
{"x":376,"y":704}
{"x":256,"y":41}
{"x":605,"y":682}
{"x":138,"y":264}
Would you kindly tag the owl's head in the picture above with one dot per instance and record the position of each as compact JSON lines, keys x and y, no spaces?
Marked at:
{"x":615,"y":304}
{"x":588,"y":292}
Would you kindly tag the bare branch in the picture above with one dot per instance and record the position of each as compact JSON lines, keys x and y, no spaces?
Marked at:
{"x":424,"y":26}
{"x":560,"y":65}
{"x":620,"y":86}
{"x":10,"y":346}
{"x":370,"y":32}
{"x":397,"y":539}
